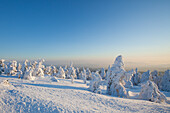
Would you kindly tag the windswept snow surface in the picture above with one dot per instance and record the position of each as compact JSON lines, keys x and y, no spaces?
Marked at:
{"x":46,"y":95}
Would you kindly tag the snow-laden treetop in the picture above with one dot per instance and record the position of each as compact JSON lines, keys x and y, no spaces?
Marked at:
{"x":118,"y":64}
{"x":119,"y":61}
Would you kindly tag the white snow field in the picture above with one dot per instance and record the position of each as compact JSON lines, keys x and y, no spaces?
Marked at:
{"x":45,"y":95}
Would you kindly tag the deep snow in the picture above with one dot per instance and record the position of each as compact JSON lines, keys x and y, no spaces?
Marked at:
{"x":50,"y":95}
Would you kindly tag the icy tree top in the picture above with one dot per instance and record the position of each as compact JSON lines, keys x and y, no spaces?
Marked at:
{"x":118,"y":64}
{"x":119,"y":61}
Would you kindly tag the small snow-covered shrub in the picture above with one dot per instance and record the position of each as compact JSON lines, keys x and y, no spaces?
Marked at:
{"x":151,"y":92}
{"x":61,"y":73}
{"x":165,"y":82}
{"x":95,"y":82}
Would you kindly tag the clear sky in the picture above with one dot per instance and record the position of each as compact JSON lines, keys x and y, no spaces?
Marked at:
{"x":86,"y":30}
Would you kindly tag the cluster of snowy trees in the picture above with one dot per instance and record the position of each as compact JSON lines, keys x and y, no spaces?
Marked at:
{"x":116,"y":77}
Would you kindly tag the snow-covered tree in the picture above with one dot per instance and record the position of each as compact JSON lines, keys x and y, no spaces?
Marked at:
{"x":24,"y":66}
{"x":128,"y":77}
{"x":88,"y":74}
{"x":61,"y":73}
{"x":38,"y":71}
{"x":115,"y":79}
{"x":28,"y":74}
{"x":54,"y":71}
{"x":108,"y":73}
{"x":145,"y":76}
{"x":78,"y":73}
{"x":95,"y":82}
{"x":48,"y":70}
{"x":165,"y":82}
{"x":2,"y":66}
{"x":72,"y":79}
{"x":19,"y":74}
{"x":156,"y":78}
{"x":19,"y":67}
{"x":84,"y":76}
{"x":103,"y":74}
{"x":11,"y":68}
{"x":136,"y":77}
{"x":151,"y":92}
{"x":71,"y":71}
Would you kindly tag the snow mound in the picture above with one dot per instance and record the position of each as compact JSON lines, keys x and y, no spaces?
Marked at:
{"x":151,"y":92}
{"x":5,"y":82}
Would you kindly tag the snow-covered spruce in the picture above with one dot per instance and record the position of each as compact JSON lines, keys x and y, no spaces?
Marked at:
{"x":24,"y":66}
{"x":54,"y":71}
{"x":61,"y":73}
{"x":103,"y":74}
{"x":84,"y":76}
{"x":38,"y":71}
{"x":11,"y":68}
{"x":108,"y":73}
{"x":136,"y":77}
{"x":145,"y":76}
{"x":95,"y":82}
{"x":88,"y":74}
{"x":128,"y":77}
{"x":48,"y":70}
{"x":156,"y":78}
{"x":78,"y":73}
{"x":28,"y":74}
{"x":71,"y":71}
{"x":115,"y":79}
{"x":2,"y":65}
{"x":165,"y":82}
{"x":151,"y":92}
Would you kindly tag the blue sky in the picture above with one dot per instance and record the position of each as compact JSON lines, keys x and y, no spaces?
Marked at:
{"x":85,"y":30}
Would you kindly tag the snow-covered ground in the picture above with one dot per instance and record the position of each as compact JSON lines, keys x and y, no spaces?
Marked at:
{"x":47,"y":95}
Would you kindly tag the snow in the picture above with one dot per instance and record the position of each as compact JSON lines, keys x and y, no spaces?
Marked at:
{"x":46,"y":95}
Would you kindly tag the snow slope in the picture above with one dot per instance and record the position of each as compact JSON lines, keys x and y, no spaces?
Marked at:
{"x":46,"y":95}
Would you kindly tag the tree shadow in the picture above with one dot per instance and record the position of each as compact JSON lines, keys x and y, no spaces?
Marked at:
{"x":5,"y":76}
{"x":57,"y":86}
